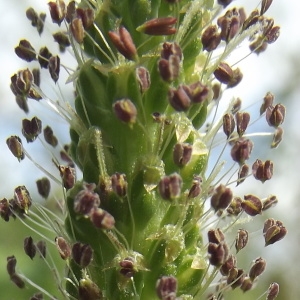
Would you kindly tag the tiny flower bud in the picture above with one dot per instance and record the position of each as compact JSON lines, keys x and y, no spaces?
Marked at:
{"x":67,"y":175}
{"x":119,"y":184}
{"x":242,"y":174}
{"x":228,"y":124}
{"x":14,"y":144}
{"x":241,"y":150}
{"x":228,"y":265}
{"x":25,"y":51}
{"x":41,"y":248}
{"x":63,"y":247}
{"x":242,"y":122}
{"x":270,"y":202}
{"x":54,"y":67}
{"x":77,"y":30}
{"x":273,"y":231}
{"x":159,"y":26}
{"x":11,"y":265}
{"x":125,"y":111}
{"x":22,"y":198}
{"x":44,"y":56}
{"x":43,"y":186}
{"x":210,"y":38}
{"x":170,"y":187}
{"x":124,"y":43}
{"x":49,"y":137}
{"x":88,"y":290}
{"x":62,"y":39}
{"x":166,"y":288}
{"x":273,"y":291}
{"x":277,"y":137}
{"x":57,"y":11}
{"x":216,"y":236}
{"x":127,"y":268}
{"x":235,"y":277}
{"x":221,"y":198}
{"x":235,"y":207}
{"x":247,"y":284}
{"x":241,"y":240}
{"x":86,"y":200}
{"x":262,"y":170}
{"x":102,"y":219}
{"x":252,"y":205}
{"x":275,"y":115}
{"x":267,"y":102}
{"x":82,"y":254}
{"x":179,"y":99}
{"x":258,"y":268}
{"x":143,"y":77}
{"x":31,"y":128}
{"x":182,"y":154}
{"x":29,"y":247}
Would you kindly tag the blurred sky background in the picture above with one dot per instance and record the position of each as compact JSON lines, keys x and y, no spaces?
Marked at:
{"x":276,"y":70}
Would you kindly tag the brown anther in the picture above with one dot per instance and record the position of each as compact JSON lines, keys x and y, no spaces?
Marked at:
{"x":252,"y":19}
{"x":166,"y":288}
{"x":124,"y":43}
{"x":25,"y":51}
{"x":277,"y":137}
{"x":49,"y":137}
{"x":88,"y":290}
{"x":102,"y":219}
{"x":11,"y":265}
{"x":62,"y":39}
{"x":87,"y":16}
{"x":224,"y":3}
{"x":43,"y":186}
{"x":77,"y":30}
{"x":143,"y":78}
{"x":5,"y":211}
{"x":242,"y":122}
{"x":170,"y":49}
{"x":235,"y":207}
{"x":236,"y":106}
{"x":216,"y":89}
{"x":125,"y":110}
{"x":37,"y":296}
{"x":273,"y":231}
{"x":275,"y":115}
{"x":262,"y":170}
{"x":198,"y":92}
{"x":241,"y":150}
{"x":22,"y":198}
{"x":18,"y":281}
{"x":36,"y":20}
{"x":216,"y":236}
{"x":221,"y":198}
{"x":272,"y":35}
{"x":86,"y":200}
{"x":210,"y":38}
{"x":63,"y":248}
{"x":68,"y":176}
{"x":179,"y":98}
{"x":242,"y":174}
{"x":241,"y":239}
{"x":14,"y":144}
{"x":21,"y":82}
{"x":235,"y":277}
{"x":54,"y":67}
{"x":267,"y":102}
{"x":43,"y":57}
{"x":182,"y":154}
{"x":258,"y":268}
{"x":195,"y":190}
{"x":159,"y":26}
{"x":71,"y":10}
{"x":57,"y":11}
{"x":127,"y":267}
{"x":82,"y":254}
{"x":228,"y":265}
{"x":29,"y":247}
{"x":224,"y":73}
{"x":271,"y":201}
{"x":31,"y":128}
{"x":170,"y":186}
{"x":273,"y":291}
{"x":247,"y":284}
{"x":119,"y":184}
{"x":218,"y":253}
{"x":169,"y":68}
{"x":228,"y":124}
{"x":265,"y":4}
{"x":236,"y":78}
{"x":258,"y":46}
{"x":41,"y":248}
{"x":252,"y":205}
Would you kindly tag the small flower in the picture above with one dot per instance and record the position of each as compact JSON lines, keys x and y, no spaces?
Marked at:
{"x":210,"y":38}
{"x":159,"y":26}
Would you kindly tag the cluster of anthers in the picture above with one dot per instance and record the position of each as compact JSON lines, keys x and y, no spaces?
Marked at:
{"x":173,"y":54}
